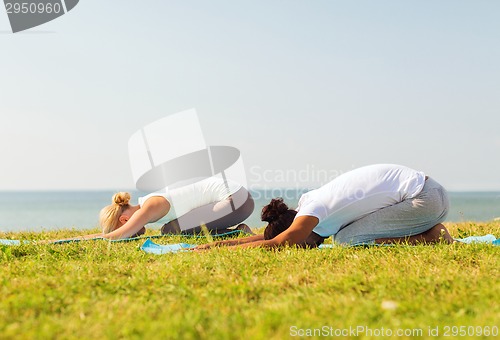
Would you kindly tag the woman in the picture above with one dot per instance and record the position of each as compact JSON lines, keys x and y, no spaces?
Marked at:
{"x":383,"y":203}
{"x":212,"y":202}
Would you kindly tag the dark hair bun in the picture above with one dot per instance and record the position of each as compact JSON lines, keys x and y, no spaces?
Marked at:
{"x":273,"y":210}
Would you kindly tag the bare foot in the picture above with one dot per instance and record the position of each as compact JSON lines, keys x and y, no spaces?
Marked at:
{"x":436,"y":234}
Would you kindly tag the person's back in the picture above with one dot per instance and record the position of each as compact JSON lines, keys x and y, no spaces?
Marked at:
{"x":358,"y":193}
{"x":191,"y":196}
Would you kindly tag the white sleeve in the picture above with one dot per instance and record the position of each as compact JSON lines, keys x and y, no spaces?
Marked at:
{"x":312,"y":208}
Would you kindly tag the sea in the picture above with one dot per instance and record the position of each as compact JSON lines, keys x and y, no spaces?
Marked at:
{"x":45,"y":211}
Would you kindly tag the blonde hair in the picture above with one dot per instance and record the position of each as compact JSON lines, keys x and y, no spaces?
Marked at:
{"x":109,"y":216}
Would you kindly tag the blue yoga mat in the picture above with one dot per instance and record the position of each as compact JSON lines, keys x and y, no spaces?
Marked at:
{"x":479,"y":239}
{"x":18,"y":242}
{"x":159,"y":249}
{"x":11,"y":242}
{"x":486,"y":239}
{"x":153,"y":248}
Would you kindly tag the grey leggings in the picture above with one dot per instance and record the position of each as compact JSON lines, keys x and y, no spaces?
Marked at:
{"x":412,"y":216}
{"x":217,"y":216}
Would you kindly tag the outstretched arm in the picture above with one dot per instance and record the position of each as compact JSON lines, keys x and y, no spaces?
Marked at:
{"x":77,"y":238}
{"x":231,"y":242}
{"x":152,"y":210}
{"x":297,"y":233}
{"x":83,"y":237}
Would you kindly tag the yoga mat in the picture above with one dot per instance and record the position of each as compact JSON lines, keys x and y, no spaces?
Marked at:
{"x":11,"y":242}
{"x":159,"y":249}
{"x":487,"y":239}
{"x":18,"y":242}
{"x":479,"y":239}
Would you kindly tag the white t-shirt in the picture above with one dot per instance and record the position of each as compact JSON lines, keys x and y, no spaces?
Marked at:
{"x":188,"y":197}
{"x":358,"y":193}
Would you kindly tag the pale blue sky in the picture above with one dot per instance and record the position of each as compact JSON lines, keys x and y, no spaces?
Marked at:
{"x":295,"y":85}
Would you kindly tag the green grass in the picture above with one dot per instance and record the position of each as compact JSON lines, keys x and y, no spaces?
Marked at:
{"x":95,"y":289}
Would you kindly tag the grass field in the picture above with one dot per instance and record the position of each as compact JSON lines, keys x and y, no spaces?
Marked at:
{"x":95,"y":289}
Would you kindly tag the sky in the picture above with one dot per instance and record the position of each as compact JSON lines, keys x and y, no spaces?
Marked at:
{"x":299,"y":87}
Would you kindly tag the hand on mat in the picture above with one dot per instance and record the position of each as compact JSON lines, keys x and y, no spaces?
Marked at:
{"x":216,"y":244}
{"x":43,"y":241}
{"x":211,"y":245}
{"x":203,"y":247}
